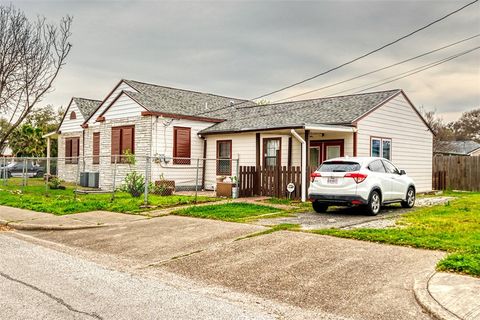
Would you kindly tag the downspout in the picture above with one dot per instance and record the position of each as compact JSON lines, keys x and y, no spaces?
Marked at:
{"x":304,"y":163}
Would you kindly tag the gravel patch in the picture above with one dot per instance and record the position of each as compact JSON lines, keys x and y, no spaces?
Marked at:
{"x":432,"y":201}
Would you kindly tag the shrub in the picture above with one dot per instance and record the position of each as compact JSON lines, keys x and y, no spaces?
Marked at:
{"x":55,"y":183}
{"x":134,"y":184}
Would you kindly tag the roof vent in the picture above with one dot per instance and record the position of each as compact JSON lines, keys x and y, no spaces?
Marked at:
{"x":232,"y":103}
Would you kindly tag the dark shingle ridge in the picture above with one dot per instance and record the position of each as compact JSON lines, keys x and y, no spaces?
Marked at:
{"x":180,"y":89}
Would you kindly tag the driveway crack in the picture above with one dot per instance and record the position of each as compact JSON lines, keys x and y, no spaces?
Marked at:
{"x":51,"y":296}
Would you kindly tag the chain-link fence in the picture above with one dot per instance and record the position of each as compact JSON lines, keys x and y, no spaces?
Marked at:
{"x":137,"y":175}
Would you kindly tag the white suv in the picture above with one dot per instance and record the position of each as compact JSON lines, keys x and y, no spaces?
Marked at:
{"x":368,"y":182}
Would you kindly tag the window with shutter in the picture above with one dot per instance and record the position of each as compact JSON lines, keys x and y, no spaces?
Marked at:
{"x":96,"y":148}
{"x":181,"y":145}
{"x":123,"y":141}
{"x":68,"y":150}
{"x":72,"y":150}
{"x":224,"y":151}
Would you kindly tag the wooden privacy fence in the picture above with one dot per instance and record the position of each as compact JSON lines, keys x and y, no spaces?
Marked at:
{"x":270,"y":181}
{"x":456,"y":173}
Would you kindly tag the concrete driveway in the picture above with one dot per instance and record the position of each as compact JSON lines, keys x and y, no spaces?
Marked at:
{"x":319,"y":274}
{"x":151,"y":241}
{"x":344,"y":277}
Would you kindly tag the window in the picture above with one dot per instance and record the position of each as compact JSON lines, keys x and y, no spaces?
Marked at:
{"x":381,"y":147}
{"x":123,"y":141}
{"x":96,"y":148}
{"x":376,"y":166}
{"x":314,"y":157}
{"x":181,"y":145}
{"x":73,"y":115}
{"x":339,"y":166}
{"x":224,"y":151}
{"x":390,"y":167}
{"x":271,"y":152}
{"x":72,"y":150}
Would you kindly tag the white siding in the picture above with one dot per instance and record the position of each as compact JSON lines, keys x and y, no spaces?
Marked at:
{"x":243,"y":148}
{"x":123,"y":107}
{"x":72,"y":125}
{"x":110,"y":98}
{"x":162,"y":144}
{"x":411,"y":139}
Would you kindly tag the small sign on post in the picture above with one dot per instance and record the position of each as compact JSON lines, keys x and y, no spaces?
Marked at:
{"x":290,"y":189}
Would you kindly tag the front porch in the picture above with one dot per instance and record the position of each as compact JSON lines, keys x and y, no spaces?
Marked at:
{"x":289,"y":155}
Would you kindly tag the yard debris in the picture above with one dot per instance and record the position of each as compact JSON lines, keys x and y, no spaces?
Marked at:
{"x":432,"y":201}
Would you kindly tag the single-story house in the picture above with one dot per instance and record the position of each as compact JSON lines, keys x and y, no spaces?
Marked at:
{"x":457,"y":148}
{"x":175,"y":126}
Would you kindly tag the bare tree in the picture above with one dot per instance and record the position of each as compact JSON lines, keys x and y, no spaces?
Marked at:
{"x":32,"y":53}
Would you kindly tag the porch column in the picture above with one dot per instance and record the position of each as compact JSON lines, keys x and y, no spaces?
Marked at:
{"x":307,"y":143}
{"x":48,"y":156}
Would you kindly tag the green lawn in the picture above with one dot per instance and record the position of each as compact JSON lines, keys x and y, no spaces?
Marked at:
{"x":234,"y":211}
{"x":453,"y":227}
{"x":34,"y":197}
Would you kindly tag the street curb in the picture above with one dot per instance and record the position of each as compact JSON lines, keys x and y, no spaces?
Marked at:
{"x":36,"y":227}
{"x":426,"y":301}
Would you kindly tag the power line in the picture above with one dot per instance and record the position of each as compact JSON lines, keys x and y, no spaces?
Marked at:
{"x":378,"y":70}
{"x":423,"y":69}
{"x":402,"y":75}
{"x":350,"y":61}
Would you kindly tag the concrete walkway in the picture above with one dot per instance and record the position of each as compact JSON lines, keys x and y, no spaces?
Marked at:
{"x":449,"y":296}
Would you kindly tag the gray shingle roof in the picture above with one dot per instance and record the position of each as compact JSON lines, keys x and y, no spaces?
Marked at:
{"x":157,"y":98}
{"x":86,"y":106}
{"x":456,"y":147}
{"x":332,"y":110}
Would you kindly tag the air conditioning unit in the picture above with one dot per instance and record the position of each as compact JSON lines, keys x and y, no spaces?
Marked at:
{"x":93,"y":179}
{"x":84,"y":179}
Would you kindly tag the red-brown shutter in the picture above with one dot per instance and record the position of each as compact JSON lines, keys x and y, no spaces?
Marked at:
{"x":181,"y":145}
{"x":96,"y":147}
{"x":116,"y":134}
{"x":75,"y":149}
{"x":127,"y":140}
{"x":68,"y":150}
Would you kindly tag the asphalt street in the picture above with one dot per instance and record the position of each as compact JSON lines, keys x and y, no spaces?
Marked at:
{"x":40,"y":283}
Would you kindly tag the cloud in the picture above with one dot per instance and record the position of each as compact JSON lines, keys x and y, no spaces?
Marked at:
{"x":245,"y":49}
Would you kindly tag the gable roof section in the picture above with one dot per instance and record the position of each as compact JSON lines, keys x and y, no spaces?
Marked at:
{"x":86,"y":106}
{"x":331,"y":111}
{"x":456,"y":147}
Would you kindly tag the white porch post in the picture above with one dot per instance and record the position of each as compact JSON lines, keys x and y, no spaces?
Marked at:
{"x":304,"y":164}
{"x":48,"y":156}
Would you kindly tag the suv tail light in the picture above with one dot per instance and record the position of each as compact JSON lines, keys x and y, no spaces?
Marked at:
{"x":357,"y":176}
{"x":314,"y":175}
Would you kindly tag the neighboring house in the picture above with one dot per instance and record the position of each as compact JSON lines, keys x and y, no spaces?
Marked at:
{"x":457,"y":148}
{"x":166,"y":123}
{"x":6,"y":151}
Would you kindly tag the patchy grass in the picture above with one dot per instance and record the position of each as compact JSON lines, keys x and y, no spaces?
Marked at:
{"x":34,"y":197}
{"x":234,"y":211}
{"x":453,"y":227}
{"x":278,"y":227}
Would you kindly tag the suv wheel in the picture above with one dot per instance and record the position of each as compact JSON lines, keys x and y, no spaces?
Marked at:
{"x":374,"y":203}
{"x":319,"y":207}
{"x":410,"y":199}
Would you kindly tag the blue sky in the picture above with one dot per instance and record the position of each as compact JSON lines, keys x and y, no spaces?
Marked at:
{"x":244,"y":49}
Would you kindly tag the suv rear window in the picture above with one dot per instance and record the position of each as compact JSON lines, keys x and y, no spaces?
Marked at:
{"x":339,"y":166}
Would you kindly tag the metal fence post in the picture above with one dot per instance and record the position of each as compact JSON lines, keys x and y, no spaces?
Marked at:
{"x":147,"y":165}
{"x":4,"y":168}
{"x":77,"y":180}
{"x":114,"y":178}
{"x":24,"y":173}
{"x":196,"y":181}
